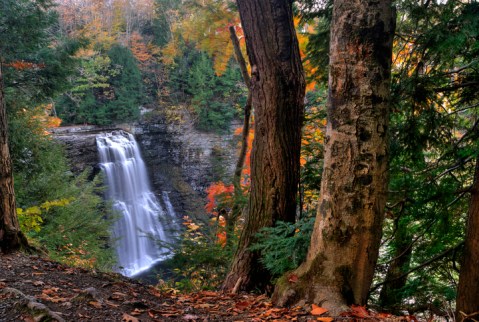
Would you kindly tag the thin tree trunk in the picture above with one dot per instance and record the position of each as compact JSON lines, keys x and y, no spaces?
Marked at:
{"x":467,"y":303}
{"x":11,"y":238}
{"x":277,"y":84}
{"x":393,"y":283}
{"x":344,"y":247}
{"x":236,"y":211}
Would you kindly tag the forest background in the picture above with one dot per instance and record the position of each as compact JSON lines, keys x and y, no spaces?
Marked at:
{"x":97,"y":62}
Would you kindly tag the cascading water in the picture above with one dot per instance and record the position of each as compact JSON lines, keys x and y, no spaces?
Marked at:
{"x":143,"y":223}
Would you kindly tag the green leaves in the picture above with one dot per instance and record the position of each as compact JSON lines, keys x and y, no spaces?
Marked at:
{"x":106,"y":89}
{"x":284,"y":246}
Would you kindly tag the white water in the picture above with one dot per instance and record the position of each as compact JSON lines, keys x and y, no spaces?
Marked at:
{"x":143,"y":222}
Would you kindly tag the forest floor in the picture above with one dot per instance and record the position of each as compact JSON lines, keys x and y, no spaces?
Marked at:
{"x":36,"y":289}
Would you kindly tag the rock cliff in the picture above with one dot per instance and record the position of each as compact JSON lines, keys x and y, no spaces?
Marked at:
{"x":181,"y":160}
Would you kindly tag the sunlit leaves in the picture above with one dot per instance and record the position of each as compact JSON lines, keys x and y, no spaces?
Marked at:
{"x":30,"y":219}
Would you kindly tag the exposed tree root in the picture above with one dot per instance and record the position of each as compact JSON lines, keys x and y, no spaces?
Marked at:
{"x":38,"y":310}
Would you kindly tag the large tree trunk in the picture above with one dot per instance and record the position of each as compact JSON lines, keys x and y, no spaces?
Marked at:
{"x":11,"y":237}
{"x":344,"y":246}
{"x":277,"y":84}
{"x":467,"y":304}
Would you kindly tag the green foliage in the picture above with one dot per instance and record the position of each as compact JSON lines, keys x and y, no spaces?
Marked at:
{"x":284,"y":246}
{"x":62,"y":213}
{"x":199,"y":263}
{"x":160,"y":27}
{"x":312,"y":149}
{"x":215,"y":100}
{"x":78,"y":233}
{"x":107,"y":89}
{"x":30,"y":219}
{"x":433,"y":144}
{"x":24,"y":27}
{"x":127,"y":86}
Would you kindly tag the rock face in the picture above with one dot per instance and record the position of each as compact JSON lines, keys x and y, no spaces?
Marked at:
{"x":184,"y":161}
{"x":181,"y":160}
{"x":80,"y":146}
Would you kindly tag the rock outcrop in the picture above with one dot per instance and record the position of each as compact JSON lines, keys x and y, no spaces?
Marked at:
{"x":181,"y":160}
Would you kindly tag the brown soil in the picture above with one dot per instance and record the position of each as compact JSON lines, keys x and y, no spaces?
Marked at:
{"x":37,"y":289}
{"x":33,"y":288}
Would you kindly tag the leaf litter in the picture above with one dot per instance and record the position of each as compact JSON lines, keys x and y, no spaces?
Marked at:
{"x":63,"y":293}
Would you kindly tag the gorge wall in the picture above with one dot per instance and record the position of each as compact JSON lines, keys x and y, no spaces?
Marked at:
{"x":180,"y":159}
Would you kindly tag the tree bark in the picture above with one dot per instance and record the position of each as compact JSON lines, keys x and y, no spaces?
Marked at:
{"x":277,"y":84}
{"x":467,"y":302}
{"x":11,"y":238}
{"x":344,"y":247}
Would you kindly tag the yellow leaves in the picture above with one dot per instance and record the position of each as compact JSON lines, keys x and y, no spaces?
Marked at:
{"x":56,"y":203}
{"x":221,"y":58}
{"x":169,"y":52}
{"x":30,"y":219}
{"x":206,"y":25}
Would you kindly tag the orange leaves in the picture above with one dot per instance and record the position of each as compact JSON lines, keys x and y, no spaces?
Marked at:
{"x":317,"y":310}
{"x":218,"y":194}
{"x":303,"y":30}
{"x":222,"y":238}
{"x":139,"y":48}
{"x":22,"y":65}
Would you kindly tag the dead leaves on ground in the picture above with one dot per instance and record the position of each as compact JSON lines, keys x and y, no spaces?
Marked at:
{"x":215,"y":304}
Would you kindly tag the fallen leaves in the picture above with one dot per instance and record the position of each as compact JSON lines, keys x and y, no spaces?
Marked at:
{"x":96,"y":304}
{"x":293,"y":278}
{"x":317,"y":310}
{"x":52,"y":295}
{"x":359,"y":311}
{"x":86,"y":296}
{"x":129,"y":318}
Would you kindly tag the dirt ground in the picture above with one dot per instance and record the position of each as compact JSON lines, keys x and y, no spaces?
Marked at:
{"x":33,"y":288}
{"x":37,"y":289}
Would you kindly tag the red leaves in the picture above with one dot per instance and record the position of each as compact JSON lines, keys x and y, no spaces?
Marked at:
{"x":359,"y":311}
{"x":218,"y":193}
{"x":22,"y":65}
{"x":293,"y":278}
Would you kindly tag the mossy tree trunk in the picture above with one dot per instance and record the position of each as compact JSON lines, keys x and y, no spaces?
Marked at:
{"x":467,"y":304}
{"x":277,"y":84}
{"x":11,"y":238}
{"x":344,"y":247}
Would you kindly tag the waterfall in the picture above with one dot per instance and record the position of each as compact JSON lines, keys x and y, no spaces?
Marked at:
{"x":142,"y":221}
